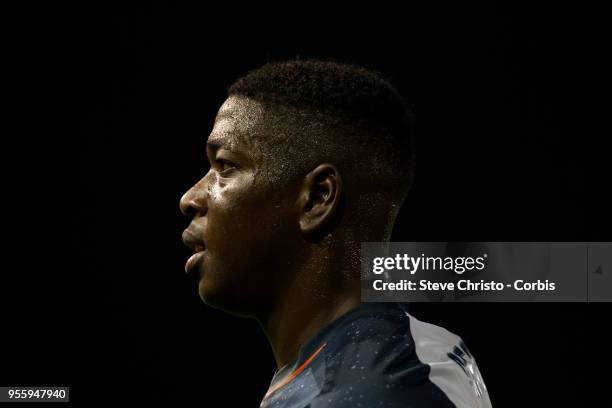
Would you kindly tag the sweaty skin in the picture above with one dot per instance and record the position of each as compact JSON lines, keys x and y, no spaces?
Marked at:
{"x":283,"y":250}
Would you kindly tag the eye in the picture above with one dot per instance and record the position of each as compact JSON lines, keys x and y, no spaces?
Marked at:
{"x":225,"y":166}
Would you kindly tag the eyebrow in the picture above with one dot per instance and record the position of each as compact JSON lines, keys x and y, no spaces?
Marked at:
{"x":219,"y":143}
{"x":216,"y":144}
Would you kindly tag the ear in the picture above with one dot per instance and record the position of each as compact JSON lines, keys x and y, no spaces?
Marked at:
{"x":319,"y":197}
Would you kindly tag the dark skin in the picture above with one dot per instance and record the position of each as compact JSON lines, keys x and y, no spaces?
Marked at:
{"x":274,"y":251}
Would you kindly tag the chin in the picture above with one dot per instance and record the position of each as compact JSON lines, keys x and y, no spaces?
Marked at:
{"x":218,"y":297}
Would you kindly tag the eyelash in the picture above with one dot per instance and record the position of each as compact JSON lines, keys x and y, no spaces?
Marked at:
{"x":227,"y":163}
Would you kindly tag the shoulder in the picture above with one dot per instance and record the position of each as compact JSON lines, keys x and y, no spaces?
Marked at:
{"x":396,"y":359}
{"x":452,"y":367}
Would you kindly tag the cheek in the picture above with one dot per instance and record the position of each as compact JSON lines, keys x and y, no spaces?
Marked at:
{"x":246,"y":221}
{"x":235,"y":211}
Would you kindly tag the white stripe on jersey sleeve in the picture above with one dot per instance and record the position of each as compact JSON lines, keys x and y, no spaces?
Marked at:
{"x":462,"y":383}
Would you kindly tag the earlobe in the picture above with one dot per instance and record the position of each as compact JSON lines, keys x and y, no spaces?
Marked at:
{"x":319,"y":198}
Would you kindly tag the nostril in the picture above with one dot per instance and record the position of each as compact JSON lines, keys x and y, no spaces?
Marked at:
{"x":193,"y":203}
{"x":194,"y":211}
{"x":189,"y":211}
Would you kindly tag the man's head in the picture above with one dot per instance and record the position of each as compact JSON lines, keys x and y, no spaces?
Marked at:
{"x":308,"y":159}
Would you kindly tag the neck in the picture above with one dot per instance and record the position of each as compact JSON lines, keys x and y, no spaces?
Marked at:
{"x":321,"y":291}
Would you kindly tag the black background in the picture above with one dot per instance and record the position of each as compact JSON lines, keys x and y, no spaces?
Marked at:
{"x":124,"y":99}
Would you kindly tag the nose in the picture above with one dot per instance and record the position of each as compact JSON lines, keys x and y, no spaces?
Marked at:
{"x":194,"y":201}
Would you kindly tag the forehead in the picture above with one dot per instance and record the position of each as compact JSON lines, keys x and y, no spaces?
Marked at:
{"x":236,"y":123}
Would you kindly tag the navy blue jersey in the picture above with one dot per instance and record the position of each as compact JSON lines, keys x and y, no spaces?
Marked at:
{"x":378,"y":355}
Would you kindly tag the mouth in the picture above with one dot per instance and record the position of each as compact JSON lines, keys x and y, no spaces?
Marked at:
{"x":196,"y":243}
{"x":191,"y":266}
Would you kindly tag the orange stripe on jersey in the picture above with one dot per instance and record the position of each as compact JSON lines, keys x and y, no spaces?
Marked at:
{"x":295,"y":373}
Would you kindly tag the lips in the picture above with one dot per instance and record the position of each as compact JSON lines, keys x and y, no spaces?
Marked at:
{"x":191,"y":266}
{"x":197,"y":245}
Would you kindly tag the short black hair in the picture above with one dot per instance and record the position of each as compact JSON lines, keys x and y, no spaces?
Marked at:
{"x":357,"y":102}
